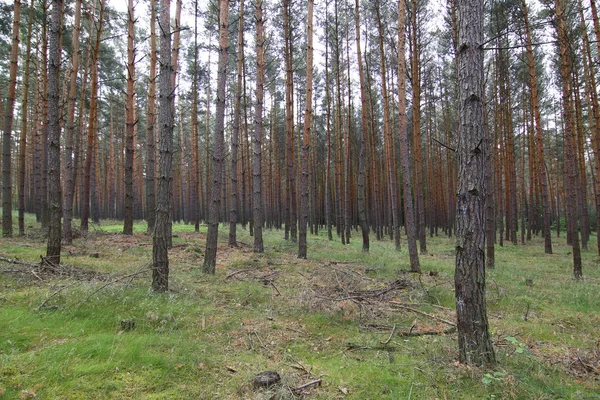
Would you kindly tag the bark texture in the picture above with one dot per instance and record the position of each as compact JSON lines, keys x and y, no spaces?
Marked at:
{"x":474,"y":342}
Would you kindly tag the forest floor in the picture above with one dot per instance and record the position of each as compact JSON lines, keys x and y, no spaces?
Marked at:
{"x":341,"y":324}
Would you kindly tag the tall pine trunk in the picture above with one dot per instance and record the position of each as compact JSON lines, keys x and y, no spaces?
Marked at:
{"x":306,"y":136}
{"x":150,"y":127}
{"x":24,"y":124}
{"x":54,"y":187}
{"x":474,"y":342}
{"x":130,"y":122}
{"x":257,"y":192}
{"x":235,"y":134}
{"x":8,"y":122}
{"x":210,"y":257}
{"x":409,"y":212}
{"x":160,"y":242}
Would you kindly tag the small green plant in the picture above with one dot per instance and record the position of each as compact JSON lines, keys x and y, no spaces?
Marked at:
{"x":490,"y":377}
{"x":520,"y":347}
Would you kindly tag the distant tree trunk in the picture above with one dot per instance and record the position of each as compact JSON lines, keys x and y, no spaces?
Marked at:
{"x":210,"y":257}
{"x":207,"y":169}
{"x":306,"y":136}
{"x":150,"y":126}
{"x":129,"y":111}
{"x":570,"y":156}
{"x":539,"y":136}
{"x":257,"y":201}
{"x":70,"y":129}
{"x":328,"y":128}
{"x":54,"y":187}
{"x":409,"y":212}
{"x":235,"y":134}
{"x":7,"y":229}
{"x":289,"y":126}
{"x":391,"y":172}
{"x":44,"y":125}
{"x":415,"y":67}
{"x":160,"y":243}
{"x":24,"y":125}
{"x":474,"y":342}
{"x":362,"y":212}
{"x":85,"y":200}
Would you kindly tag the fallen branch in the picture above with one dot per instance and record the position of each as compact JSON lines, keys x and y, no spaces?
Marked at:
{"x":389,"y":337}
{"x":400,"y":305}
{"x":311,"y":383}
{"x":354,"y":346}
{"x":446,"y":331}
{"x":43,"y":303}
{"x":18,"y":262}
{"x":234,"y":273}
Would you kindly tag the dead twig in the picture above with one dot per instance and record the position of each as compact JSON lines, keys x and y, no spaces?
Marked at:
{"x":311,"y":383}
{"x":18,"y":262}
{"x":446,"y":331}
{"x":43,"y":303}
{"x":400,"y":305}
{"x":389,"y":337}
{"x":234,"y":273}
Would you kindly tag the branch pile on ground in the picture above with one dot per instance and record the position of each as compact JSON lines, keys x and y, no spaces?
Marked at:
{"x":47,"y":269}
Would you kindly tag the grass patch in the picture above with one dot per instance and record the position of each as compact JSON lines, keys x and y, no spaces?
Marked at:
{"x":327,"y":317}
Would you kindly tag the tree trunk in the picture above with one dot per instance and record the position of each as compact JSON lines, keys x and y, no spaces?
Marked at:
{"x":362,"y":212}
{"x":160,"y":242}
{"x":150,"y":127}
{"x":210,"y":257}
{"x":289,"y":126}
{"x":54,"y":187}
{"x":130,"y":122}
{"x":235,"y":134}
{"x":7,"y":229}
{"x":304,"y":178}
{"x":24,"y":125}
{"x":416,"y":127}
{"x":257,"y":201}
{"x":539,"y":137}
{"x":85,"y":200}
{"x":391,"y":172}
{"x":409,"y":212}
{"x":570,"y":159}
{"x":474,"y":342}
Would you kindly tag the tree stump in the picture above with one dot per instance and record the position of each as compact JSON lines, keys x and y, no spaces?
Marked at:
{"x":266,"y":379}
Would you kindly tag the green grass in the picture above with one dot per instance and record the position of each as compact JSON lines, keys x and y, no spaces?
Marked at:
{"x":210,"y":335}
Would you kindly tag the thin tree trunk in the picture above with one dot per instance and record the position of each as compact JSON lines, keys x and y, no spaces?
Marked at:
{"x":257,"y":201}
{"x":129,"y":124}
{"x":304,"y":178}
{"x":409,"y":213}
{"x":7,"y":229}
{"x":150,"y":126}
{"x":85,"y":200}
{"x":289,"y":126}
{"x":328,"y":204}
{"x":235,"y":134}
{"x":210,"y":257}
{"x":391,"y":172}
{"x":362,"y":212}
{"x":24,"y":126}
{"x":570,"y":160}
{"x":54,"y":187}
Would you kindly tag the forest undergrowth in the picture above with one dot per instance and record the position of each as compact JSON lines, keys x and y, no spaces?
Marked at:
{"x":341,"y":324}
